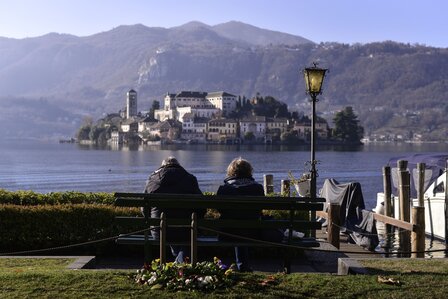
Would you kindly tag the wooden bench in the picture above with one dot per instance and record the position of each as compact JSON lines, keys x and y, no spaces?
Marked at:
{"x":166,"y":201}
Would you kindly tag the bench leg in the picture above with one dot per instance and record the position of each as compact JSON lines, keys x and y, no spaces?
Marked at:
{"x":162,"y":245}
{"x":194,"y":236}
{"x":287,"y":261}
{"x":147,"y":250}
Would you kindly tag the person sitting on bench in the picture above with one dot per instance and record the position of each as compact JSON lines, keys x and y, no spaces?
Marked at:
{"x":239,"y":181}
{"x":172,"y":178}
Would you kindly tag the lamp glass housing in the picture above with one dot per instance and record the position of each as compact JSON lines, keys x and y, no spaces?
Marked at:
{"x":314,"y":77}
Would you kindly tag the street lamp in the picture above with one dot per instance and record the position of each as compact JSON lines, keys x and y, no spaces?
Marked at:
{"x":314,"y":77}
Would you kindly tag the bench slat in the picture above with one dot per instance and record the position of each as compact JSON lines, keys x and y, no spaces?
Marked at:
{"x":213,"y":241}
{"x":164,"y":196}
{"x":140,"y":222}
{"x":221,"y":204}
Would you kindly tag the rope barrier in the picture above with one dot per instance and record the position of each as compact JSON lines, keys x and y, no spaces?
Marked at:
{"x":274,"y":244}
{"x":315,"y":249}
{"x":76,"y":245}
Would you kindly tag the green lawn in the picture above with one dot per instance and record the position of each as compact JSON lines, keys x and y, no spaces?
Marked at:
{"x":49,"y":278}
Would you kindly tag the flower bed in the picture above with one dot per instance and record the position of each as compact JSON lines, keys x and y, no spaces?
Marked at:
{"x":204,"y":276}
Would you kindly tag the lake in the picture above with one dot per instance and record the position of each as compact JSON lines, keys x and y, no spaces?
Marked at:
{"x":46,"y":167}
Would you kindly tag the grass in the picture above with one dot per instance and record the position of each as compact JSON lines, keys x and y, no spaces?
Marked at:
{"x":49,"y":278}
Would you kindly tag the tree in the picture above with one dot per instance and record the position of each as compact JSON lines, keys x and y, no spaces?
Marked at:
{"x":83,"y":133}
{"x":290,"y":138}
{"x":249,"y":136}
{"x":347,"y":126}
{"x":155,"y":106}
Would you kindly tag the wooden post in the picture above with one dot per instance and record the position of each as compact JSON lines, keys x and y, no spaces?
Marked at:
{"x":405,"y":207}
{"x":418,"y":236}
{"x":268,"y":183}
{"x":387,"y":191}
{"x":388,"y":207}
{"x":194,"y":240}
{"x":286,"y":188}
{"x":404,"y":190}
{"x":333,"y":229}
{"x":446,"y":203}
{"x":162,"y":239}
{"x":421,"y":184}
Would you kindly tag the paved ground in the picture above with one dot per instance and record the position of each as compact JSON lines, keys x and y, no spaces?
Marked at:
{"x":269,"y":260}
{"x":309,"y":261}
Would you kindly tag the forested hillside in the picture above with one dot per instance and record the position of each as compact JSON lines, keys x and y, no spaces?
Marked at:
{"x":393,"y":87}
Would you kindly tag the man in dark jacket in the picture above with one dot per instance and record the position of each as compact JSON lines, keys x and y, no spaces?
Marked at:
{"x":172,"y":178}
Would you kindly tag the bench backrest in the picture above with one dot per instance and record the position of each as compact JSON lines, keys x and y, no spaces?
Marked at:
{"x":222,"y":202}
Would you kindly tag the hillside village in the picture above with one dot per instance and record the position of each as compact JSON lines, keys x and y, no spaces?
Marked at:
{"x":200,"y":117}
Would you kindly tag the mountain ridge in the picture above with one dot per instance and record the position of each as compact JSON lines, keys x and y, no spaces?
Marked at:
{"x":90,"y":75}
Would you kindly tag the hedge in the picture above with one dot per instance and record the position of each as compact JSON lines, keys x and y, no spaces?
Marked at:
{"x":44,"y":226}
{"x":53,"y":198}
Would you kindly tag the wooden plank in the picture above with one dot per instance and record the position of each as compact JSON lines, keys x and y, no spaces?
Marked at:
{"x":395,"y":222}
{"x":381,"y":218}
{"x":213,"y":242}
{"x":163,"y":196}
{"x":259,"y":224}
{"x":140,"y":223}
{"x":222,"y":205}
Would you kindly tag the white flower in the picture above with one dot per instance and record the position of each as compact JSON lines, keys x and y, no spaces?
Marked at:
{"x":153,"y":278}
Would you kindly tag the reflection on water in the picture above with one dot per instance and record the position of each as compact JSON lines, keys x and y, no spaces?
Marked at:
{"x":390,"y":243}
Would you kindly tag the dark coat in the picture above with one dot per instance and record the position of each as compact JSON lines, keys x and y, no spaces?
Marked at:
{"x":240,"y":186}
{"x":173,"y":179}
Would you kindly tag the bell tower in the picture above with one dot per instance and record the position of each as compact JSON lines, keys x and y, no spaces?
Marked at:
{"x":131,"y":103}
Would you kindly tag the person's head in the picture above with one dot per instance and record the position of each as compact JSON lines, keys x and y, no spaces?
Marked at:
{"x":170,"y":161}
{"x":239,"y":168}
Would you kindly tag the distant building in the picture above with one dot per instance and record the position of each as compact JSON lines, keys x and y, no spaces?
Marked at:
{"x":131,"y":103}
{"x":194,"y":128}
{"x":222,"y":129}
{"x":255,"y":125}
{"x":201,"y":104}
{"x":304,"y":129}
{"x":224,"y":101}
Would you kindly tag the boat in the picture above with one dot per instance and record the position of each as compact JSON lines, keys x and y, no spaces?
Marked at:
{"x":435,"y":194}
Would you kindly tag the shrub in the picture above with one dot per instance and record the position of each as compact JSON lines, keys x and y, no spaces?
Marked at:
{"x":44,"y":226}
{"x":54,"y":198}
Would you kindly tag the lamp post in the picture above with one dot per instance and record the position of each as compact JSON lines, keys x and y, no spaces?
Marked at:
{"x":314,"y":77}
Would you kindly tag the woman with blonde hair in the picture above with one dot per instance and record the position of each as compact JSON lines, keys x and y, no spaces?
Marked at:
{"x":239,"y":181}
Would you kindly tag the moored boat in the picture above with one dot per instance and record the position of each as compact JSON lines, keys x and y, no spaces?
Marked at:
{"x":435,"y":194}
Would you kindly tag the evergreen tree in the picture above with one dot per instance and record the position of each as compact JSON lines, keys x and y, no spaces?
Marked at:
{"x":155,"y":106}
{"x":347,"y":126}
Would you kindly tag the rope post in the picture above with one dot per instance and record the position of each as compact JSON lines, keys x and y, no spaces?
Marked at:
{"x":421,"y":184}
{"x":286,"y":188}
{"x":334,"y":224}
{"x":162,"y":239}
{"x":418,"y":234}
{"x":268,"y":184}
{"x":387,"y":191}
{"x":388,"y":211}
{"x":446,"y":203}
{"x":194,"y":239}
{"x":405,"y":205}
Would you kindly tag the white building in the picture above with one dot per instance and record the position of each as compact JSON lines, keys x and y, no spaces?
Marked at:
{"x":201,"y":104}
{"x":194,"y":128}
{"x":224,"y":101}
{"x":255,"y":125}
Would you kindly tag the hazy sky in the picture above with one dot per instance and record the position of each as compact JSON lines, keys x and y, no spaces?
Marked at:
{"x":347,"y":21}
